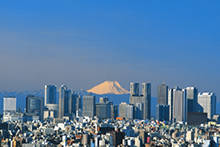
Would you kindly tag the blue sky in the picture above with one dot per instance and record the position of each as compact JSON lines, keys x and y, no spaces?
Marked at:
{"x":82,"y":43}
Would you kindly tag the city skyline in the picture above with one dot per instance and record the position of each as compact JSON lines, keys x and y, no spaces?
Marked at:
{"x":109,"y":73}
{"x":178,"y":105}
{"x":191,"y":97}
{"x":86,"y":43}
{"x":189,"y":111}
{"x":154,"y":89}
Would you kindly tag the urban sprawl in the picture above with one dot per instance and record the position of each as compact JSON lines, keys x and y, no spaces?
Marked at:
{"x":184,"y":117}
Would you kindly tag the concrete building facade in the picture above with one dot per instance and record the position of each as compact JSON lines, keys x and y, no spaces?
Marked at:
{"x":207,"y":103}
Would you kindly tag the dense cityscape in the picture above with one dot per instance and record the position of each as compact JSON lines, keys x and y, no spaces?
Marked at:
{"x":61,"y":62}
{"x":184,"y":117}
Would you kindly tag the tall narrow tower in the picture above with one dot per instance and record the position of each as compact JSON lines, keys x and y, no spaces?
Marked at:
{"x":62,"y":94}
{"x":170,"y":103}
{"x":179,"y":105}
{"x":162,"y":94}
{"x":146,"y":91}
{"x":50,"y":92}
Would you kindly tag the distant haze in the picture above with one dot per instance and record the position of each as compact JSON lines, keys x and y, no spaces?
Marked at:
{"x":83,"y":43}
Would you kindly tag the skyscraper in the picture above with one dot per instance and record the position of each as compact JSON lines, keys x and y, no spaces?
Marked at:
{"x":126,"y":111}
{"x":50,"y":92}
{"x":192,"y":99}
{"x":162,"y":94}
{"x":89,"y":105}
{"x":78,"y":106}
{"x":68,"y":102}
{"x":114,"y":111}
{"x":179,"y":105}
{"x":141,"y":102}
{"x":162,"y":112}
{"x":74,"y":103}
{"x":207,"y":103}
{"x":134,"y":89}
{"x":65,"y":101}
{"x":9,"y":104}
{"x":170,"y":103}
{"x":162,"y":106}
{"x":103,"y":109}
{"x":34,"y":105}
{"x":146,"y":89}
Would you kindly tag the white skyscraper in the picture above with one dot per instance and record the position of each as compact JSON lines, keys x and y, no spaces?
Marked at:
{"x":179,"y":105}
{"x":9,"y":104}
{"x":126,"y":111}
{"x":207,"y":103}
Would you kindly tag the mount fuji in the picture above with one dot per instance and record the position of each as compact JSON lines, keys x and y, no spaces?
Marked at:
{"x":108,"y":87}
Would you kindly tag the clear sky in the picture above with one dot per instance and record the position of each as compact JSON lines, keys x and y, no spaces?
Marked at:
{"x":84,"y":42}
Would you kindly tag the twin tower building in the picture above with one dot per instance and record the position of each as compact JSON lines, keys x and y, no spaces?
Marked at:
{"x":68,"y":102}
{"x":141,"y":101}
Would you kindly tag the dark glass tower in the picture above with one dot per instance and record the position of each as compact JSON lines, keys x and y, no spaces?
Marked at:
{"x":50,"y":92}
{"x":162,"y":94}
{"x":34,"y":105}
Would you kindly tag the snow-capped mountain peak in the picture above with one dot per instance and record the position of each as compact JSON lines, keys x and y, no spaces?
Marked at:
{"x":108,"y":87}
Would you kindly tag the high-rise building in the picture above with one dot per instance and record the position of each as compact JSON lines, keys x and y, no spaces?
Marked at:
{"x":196,"y":118}
{"x":179,"y":105}
{"x":103,"y":108}
{"x":207,"y":103}
{"x":134,"y":89}
{"x":50,"y":92}
{"x":162,"y":94}
{"x":51,"y":111}
{"x":170,"y":103}
{"x":162,"y":112}
{"x":65,"y":101}
{"x":68,"y":103}
{"x":146,"y":89}
{"x":89,"y":105}
{"x":114,"y":111}
{"x":74,"y":102}
{"x":34,"y":105}
{"x":141,"y":102}
{"x":192,"y":99}
{"x":79,"y":106}
{"x":62,"y":90}
{"x":126,"y":111}
{"x":138,"y":102}
{"x":9,"y":104}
